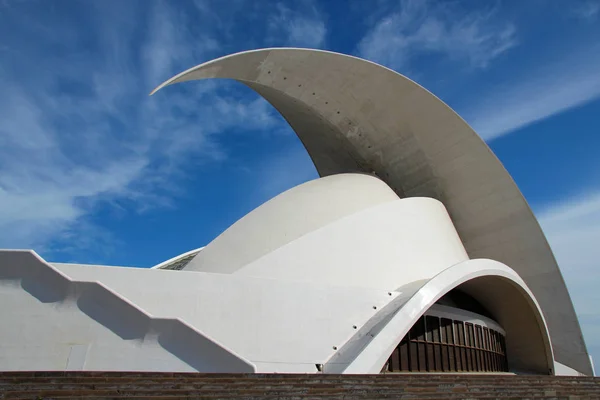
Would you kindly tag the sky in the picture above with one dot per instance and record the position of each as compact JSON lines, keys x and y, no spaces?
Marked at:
{"x":93,"y":170}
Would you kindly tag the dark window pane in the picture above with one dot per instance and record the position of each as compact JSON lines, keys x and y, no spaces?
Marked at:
{"x":419,"y":335}
{"x":413,"y":356}
{"x":420,"y":329}
{"x":504,"y":358}
{"x":480,"y":356}
{"x":434,"y":355}
{"x":440,"y":344}
{"x":486,"y":347}
{"x":404,"y":355}
{"x":448,"y":337}
{"x":395,"y":360}
{"x":462,"y":342}
{"x":422,"y":357}
{"x":468,"y":343}
{"x":499,"y":352}
{"x":428,"y":327}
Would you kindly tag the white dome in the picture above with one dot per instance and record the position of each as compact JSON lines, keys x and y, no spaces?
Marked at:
{"x":288,"y":216}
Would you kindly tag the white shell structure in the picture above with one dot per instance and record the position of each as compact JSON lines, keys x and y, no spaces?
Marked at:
{"x":329,"y":276}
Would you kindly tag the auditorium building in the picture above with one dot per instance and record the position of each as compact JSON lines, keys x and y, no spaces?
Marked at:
{"x":414,"y":251}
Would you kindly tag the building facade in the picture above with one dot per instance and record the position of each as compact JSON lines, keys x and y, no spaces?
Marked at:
{"x":415,"y":251}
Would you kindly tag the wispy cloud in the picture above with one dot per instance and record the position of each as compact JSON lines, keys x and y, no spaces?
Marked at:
{"x":588,"y":10}
{"x":552,"y":88}
{"x":80,"y":130}
{"x":422,"y":27}
{"x":303,"y":27}
{"x":573,"y":229}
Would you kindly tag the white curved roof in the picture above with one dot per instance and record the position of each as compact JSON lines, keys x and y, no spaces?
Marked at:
{"x":288,"y":216}
{"x":386,"y":246}
{"x":353,"y":115}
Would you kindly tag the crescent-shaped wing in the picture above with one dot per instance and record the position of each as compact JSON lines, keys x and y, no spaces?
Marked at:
{"x":354,"y":115}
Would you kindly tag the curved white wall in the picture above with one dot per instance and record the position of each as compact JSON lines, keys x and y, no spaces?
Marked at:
{"x":384,"y":246}
{"x":288,"y":216}
{"x":277,"y":326}
{"x":495,"y":285}
{"x":110,"y":318}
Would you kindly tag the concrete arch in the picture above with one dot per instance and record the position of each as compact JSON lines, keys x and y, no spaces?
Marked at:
{"x":353,"y":115}
{"x":498,"y":288}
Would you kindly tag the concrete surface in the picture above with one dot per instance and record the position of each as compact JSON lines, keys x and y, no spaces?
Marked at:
{"x":353,"y":115}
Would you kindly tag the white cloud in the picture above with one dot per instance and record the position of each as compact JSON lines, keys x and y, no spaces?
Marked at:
{"x":168,"y":44}
{"x":81,"y":131}
{"x":573,"y":230}
{"x":422,"y":27}
{"x":587,"y":10}
{"x":297,"y":28}
{"x":553,"y":88}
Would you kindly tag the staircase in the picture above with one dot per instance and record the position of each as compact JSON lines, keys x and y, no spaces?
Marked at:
{"x":150,"y":385}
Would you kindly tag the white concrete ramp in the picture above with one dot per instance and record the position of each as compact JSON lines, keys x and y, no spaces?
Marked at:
{"x":76,"y":325}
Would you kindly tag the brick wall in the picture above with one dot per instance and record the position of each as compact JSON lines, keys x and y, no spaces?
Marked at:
{"x":62,"y":385}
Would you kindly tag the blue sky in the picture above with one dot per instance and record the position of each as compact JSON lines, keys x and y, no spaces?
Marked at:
{"x":92,"y":170}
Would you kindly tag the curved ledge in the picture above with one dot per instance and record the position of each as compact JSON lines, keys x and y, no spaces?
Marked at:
{"x":178,"y":257}
{"x":528,"y":341}
{"x":353,"y":115}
